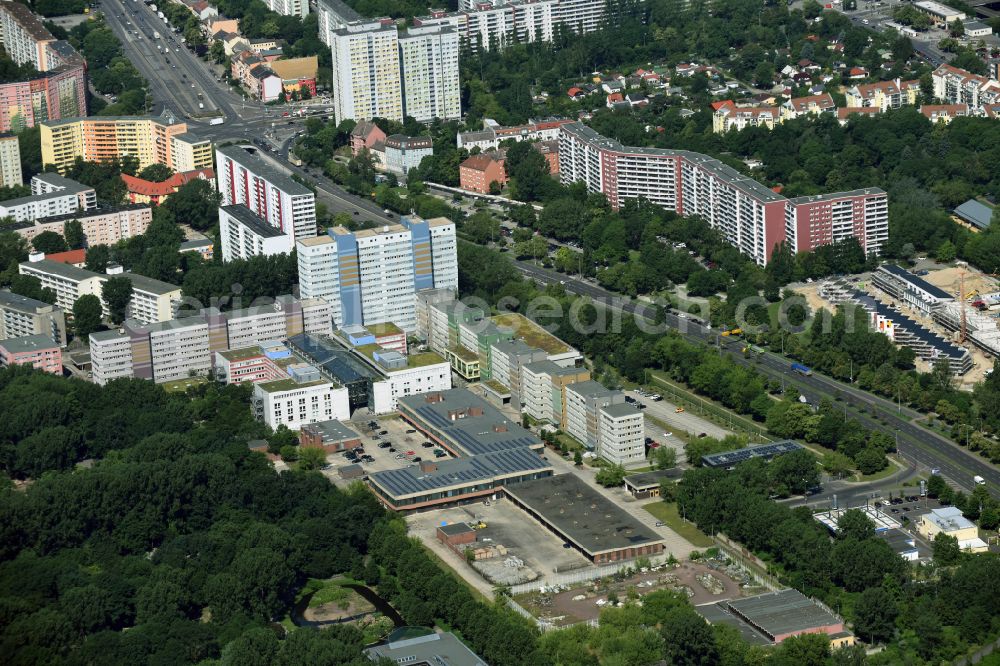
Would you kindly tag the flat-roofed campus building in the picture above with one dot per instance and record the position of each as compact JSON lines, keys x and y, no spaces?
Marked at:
{"x":329,"y":436}
{"x":464,"y":424}
{"x":21,"y":316}
{"x":301,"y":398}
{"x":431,"y":484}
{"x":103,"y":138}
{"x":949,"y":520}
{"x":747,"y":214}
{"x":600,"y":419}
{"x":434,"y":649}
{"x":585,"y":518}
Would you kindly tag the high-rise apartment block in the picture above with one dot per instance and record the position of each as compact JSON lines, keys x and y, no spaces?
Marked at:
{"x":601,"y":419}
{"x":379,"y":73}
{"x":429,"y":61}
{"x":749,"y":215}
{"x":244,"y":234}
{"x":21,"y":316}
{"x":366,"y":76}
{"x":247,"y":180}
{"x":103,"y":138}
{"x":371,"y":276}
{"x":299,"y":8}
{"x":24,"y":37}
{"x":100,"y":226}
{"x":10,"y":162}
{"x":61,"y":89}
{"x":493,"y":24}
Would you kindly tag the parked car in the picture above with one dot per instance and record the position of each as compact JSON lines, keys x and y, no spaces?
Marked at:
{"x":383,"y":432}
{"x":427,"y":445}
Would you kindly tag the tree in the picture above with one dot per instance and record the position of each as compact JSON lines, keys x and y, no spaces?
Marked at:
{"x":49,"y":242}
{"x":311,"y":457}
{"x":836,"y":464}
{"x":86,"y":315}
{"x":956,"y":28}
{"x":794,"y":472}
{"x":946,"y":252}
{"x":117,"y":294}
{"x":156,"y":172}
{"x":870,"y":460}
{"x":945,"y":550}
{"x":610,"y":476}
{"x":664,"y":457}
{"x":528,"y":172}
{"x":853,"y":524}
{"x":73,"y":233}
{"x":688,"y":639}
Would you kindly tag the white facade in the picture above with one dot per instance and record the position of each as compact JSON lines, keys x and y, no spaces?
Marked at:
{"x":178,"y":349}
{"x":10,"y":162}
{"x":24,"y":37}
{"x":319,"y":272}
{"x":385,"y":271}
{"x":68,"y":282}
{"x":110,"y":356}
{"x":429,"y":61}
{"x":621,"y":435}
{"x":372,"y":276}
{"x":536,"y":393}
{"x":51,"y":195}
{"x":317,"y":317}
{"x":247,"y":180}
{"x":293,"y":405}
{"x":403,"y":153}
{"x":411,"y":381}
{"x":298,"y":8}
{"x":245,"y":235}
{"x":366,"y":75}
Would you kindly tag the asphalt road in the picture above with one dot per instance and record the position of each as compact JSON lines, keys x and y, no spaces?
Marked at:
{"x":916,"y":445}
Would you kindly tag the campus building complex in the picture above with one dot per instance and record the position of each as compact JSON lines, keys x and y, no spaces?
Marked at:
{"x":177,"y":348}
{"x":371,"y":276}
{"x":378,"y":72}
{"x":749,"y":215}
{"x":103,"y":138}
{"x":247,"y":180}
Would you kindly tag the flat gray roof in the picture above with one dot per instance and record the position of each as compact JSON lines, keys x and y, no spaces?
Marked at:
{"x":111,"y":334}
{"x":975,"y":213}
{"x":332,"y":431}
{"x":257,"y":165}
{"x":148,"y":284}
{"x":467,"y":422}
{"x":767,"y":451}
{"x":434,"y":649}
{"x":551,"y":368}
{"x":28,"y":343}
{"x":783,"y":612}
{"x":453,"y":472}
{"x":168,"y":325}
{"x":916,"y":281}
{"x":867,"y":191}
{"x":67,"y":271}
{"x":252,"y":221}
{"x":620,"y":409}
{"x":716,"y":613}
{"x":9,"y":299}
{"x":652,"y":479}
{"x":590,"y":389}
{"x":581,"y":514}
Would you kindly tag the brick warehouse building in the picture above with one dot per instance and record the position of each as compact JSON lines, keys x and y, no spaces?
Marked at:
{"x":749,"y":215}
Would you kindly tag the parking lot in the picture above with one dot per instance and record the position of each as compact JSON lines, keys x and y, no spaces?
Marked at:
{"x":398,"y":447}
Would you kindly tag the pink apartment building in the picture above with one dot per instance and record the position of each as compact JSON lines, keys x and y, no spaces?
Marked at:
{"x":37,"y":351}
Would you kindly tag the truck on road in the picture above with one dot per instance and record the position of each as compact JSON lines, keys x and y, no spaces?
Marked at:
{"x":801,"y":369}
{"x":980,"y":481}
{"x":156,"y":35}
{"x":216,"y":121}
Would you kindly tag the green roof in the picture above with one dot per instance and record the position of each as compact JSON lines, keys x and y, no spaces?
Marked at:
{"x":424,"y":359}
{"x":383,"y":329}
{"x":531,"y":333}
{"x":241,"y":354}
{"x":288,"y":384}
{"x":496,"y":387}
{"x":464,"y":354}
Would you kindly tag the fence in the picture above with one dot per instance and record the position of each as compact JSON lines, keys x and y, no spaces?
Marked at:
{"x":749,"y":562}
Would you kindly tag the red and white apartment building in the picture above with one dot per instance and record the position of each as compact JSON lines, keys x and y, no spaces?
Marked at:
{"x":749,"y":215}
{"x":247,"y":180}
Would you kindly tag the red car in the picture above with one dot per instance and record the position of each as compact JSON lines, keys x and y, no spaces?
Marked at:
{"x":285,"y":114}
{"x":411,"y":453}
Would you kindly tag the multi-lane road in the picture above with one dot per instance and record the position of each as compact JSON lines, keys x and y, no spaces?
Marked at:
{"x":917,"y":445}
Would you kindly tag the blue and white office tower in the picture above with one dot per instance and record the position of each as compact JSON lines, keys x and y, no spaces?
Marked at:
{"x":373,"y":276}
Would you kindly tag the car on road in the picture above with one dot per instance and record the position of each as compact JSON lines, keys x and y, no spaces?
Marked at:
{"x":285,"y":114}
{"x":660,"y":523}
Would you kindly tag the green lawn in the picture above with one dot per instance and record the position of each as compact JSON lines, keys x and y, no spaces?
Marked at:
{"x":667,"y":513}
